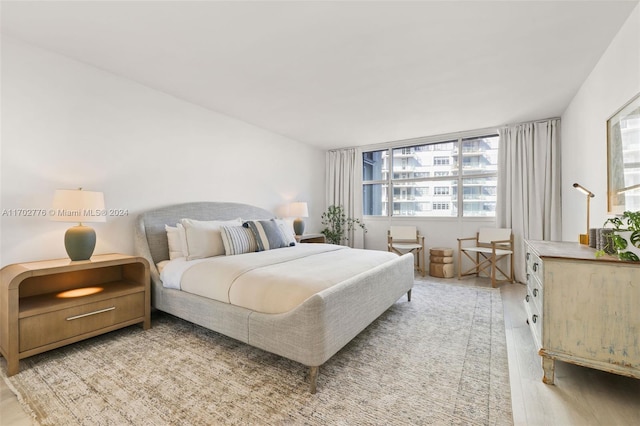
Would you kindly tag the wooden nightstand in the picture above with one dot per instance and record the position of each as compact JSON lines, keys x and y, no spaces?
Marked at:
{"x":310,"y":238}
{"x":52,"y":303}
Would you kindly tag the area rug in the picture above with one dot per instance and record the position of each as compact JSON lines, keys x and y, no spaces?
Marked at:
{"x":440,"y":359}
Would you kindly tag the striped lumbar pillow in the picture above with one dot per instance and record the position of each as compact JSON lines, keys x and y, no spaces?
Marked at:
{"x":267,"y":233}
{"x":238,"y":240}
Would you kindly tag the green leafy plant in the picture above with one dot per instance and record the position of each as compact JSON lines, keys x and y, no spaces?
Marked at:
{"x":337,"y":225}
{"x":629,"y":221}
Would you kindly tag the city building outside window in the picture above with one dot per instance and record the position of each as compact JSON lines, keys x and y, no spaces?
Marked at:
{"x":424,"y":179}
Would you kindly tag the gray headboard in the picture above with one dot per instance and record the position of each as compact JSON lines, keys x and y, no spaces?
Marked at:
{"x":151,"y":236}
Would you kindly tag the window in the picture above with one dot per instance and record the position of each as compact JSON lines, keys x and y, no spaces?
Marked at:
{"x":374,"y":195}
{"x":441,"y":190}
{"x":423,"y":180}
{"x":422,"y":191}
{"x":441,"y":206}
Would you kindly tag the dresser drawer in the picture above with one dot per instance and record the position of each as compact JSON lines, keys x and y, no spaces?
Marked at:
{"x":534,"y":265}
{"x":51,"y":327}
{"x":534,"y":317}
{"x":534,"y":290}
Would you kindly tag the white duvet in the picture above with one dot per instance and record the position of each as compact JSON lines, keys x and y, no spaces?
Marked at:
{"x":273,"y":281}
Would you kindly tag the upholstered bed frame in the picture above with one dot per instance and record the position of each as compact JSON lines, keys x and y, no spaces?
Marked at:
{"x":309,"y":334}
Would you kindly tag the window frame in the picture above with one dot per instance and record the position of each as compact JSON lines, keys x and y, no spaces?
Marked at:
{"x":459,"y":176}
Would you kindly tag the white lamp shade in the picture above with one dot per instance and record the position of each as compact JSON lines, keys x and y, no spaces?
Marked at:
{"x":76,"y":205}
{"x":298,"y":209}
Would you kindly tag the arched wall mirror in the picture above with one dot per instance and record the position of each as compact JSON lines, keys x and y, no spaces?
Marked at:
{"x":623,"y":158}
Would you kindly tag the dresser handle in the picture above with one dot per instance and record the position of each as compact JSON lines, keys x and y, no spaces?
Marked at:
{"x":526,"y":298}
{"x":534,"y":318}
{"x":535,"y":267}
{"x":528,"y":255}
{"x":91,"y":313}
{"x":527,"y":276}
{"x":535,"y":292}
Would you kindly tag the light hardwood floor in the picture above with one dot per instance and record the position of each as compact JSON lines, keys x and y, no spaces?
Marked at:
{"x":581,"y":396}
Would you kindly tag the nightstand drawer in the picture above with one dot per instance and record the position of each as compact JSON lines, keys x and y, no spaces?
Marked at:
{"x":51,"y":327}
{"x":311,"y":238}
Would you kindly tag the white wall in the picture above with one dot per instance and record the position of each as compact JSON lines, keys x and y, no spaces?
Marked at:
{"x":66,"y":124}
{"x":613,"y":82}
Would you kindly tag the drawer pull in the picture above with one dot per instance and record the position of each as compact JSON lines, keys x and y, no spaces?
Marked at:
{"x":535,"y":267}
{"x":91,"y":313}
{"x":528,"y":255}
{"x":535,"y":292}
{"x":526,"y":298}
{"x":534,"y":318}
{"x":527,"y":276}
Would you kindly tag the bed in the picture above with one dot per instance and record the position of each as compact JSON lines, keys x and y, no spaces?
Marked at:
{"x":309,"y":329}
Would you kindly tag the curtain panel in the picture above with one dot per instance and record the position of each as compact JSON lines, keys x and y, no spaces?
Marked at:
{"x":529,"y":186}
{"x":344,"y":187}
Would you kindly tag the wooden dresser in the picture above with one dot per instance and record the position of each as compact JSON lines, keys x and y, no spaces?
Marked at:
{"x":48,"y":304}
{"x":582,"y":309}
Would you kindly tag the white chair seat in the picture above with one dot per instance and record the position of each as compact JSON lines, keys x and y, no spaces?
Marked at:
{"x":403,"y":246}
{"x":499,"y":252}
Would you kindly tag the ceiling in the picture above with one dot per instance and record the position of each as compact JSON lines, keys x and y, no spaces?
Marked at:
{"x":338,"y":74}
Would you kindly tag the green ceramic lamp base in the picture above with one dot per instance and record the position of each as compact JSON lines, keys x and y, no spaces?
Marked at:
{"x":80,"y":241}
{"x":298,"y":226}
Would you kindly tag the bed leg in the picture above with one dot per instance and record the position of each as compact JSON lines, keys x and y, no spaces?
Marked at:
{"x":409,"y":295}
{"x":313,"y":378}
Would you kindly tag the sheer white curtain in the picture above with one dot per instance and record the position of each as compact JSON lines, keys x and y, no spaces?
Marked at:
{"x":529,"y":185}
{"x":344,"y":187}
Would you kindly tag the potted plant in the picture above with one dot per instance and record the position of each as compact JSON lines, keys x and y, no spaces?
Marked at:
{"x":337,"y":224}
{"x":626,"y":235}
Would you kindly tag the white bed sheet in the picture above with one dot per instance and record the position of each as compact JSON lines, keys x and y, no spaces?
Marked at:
{"x":273,"y":281}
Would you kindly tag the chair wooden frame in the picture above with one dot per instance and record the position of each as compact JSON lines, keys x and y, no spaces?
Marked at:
{"x":491,"y":246}
{"x":408,"y":240}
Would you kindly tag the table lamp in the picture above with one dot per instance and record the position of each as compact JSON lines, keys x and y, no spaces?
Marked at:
{"x":298,"y":210}
{"x":76,"y":205}
{"x":584,"y":238}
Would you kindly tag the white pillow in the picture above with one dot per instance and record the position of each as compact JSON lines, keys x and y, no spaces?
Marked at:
{"x":183,"y":239}
{"x":177,"y":241}
{"x":203,"y":237}
{"x":286,"y":227}
{"x":160,"y":265}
